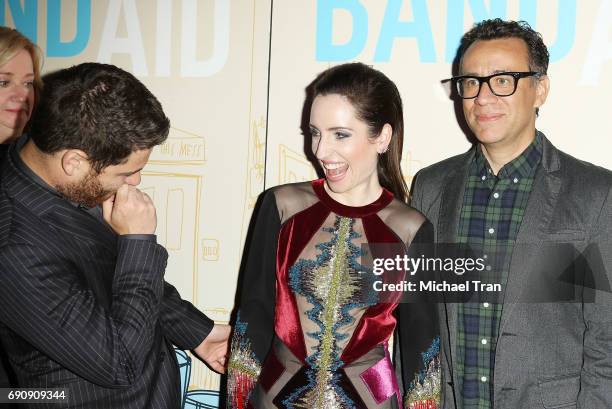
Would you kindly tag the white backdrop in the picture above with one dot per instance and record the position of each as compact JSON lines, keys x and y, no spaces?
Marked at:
{"x":231,"y":76}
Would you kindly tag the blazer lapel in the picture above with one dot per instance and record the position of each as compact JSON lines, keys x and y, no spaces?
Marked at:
{"x":536,"y":220}
{"x":80,"y":223}
{"x":451,"y":201}
{"x":450,"y":208}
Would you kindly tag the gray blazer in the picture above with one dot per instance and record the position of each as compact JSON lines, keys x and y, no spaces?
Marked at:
{"x":549,"y":355}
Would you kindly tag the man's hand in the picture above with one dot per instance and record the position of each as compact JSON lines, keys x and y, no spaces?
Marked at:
{"x":130,"y":211}
{"x":213,"y":350}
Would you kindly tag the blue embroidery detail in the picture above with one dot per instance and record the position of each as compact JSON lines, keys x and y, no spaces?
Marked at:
{"x":305,"y":279}
{"x":428,"y":356}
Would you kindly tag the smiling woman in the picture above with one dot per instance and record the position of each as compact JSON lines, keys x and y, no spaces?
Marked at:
{"x":20,"y":82}
{"x":312,"y":331}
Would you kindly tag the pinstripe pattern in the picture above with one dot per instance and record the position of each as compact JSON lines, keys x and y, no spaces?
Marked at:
{"x":84,"y":309}
{"x":4,"y":380}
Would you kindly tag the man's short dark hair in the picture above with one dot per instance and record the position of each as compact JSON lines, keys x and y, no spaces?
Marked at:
{"x":497,"y":29}
{"x":100,"y":109}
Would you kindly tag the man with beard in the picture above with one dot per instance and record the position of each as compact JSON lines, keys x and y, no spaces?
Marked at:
{"x":83,"y":302}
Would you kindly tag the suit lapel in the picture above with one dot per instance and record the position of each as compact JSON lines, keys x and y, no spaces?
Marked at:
{"x":452,"y":200}
{"x":534,"y":225}
{"x":80,"y":223}
{"x":450,"y":208}
{"x":87,"y":241}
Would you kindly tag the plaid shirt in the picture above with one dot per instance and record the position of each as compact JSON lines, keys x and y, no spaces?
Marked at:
{"x":492,"y":211}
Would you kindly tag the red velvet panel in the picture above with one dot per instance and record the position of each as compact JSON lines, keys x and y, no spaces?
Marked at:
{"x":377,"y":323}
{"x":295,"y":234}
{"x":349,"y":211}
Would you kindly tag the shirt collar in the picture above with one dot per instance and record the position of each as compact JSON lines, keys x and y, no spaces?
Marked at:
{"x":522,"y":166}
{"x":25,"y":169}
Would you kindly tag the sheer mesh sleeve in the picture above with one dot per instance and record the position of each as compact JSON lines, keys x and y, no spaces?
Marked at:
{"x":293,"y":198}
{"x":403,"y":220}
{"x":254,"y":326}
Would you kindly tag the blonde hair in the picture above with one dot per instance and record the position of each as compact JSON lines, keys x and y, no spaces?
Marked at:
{"x":11,"y":42}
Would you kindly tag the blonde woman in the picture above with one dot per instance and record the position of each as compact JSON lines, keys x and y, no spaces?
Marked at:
{"x":20,"y":82}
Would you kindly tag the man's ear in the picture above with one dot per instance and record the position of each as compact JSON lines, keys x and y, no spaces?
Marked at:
{"x":542,"y":88}
{"x":74,"y":163}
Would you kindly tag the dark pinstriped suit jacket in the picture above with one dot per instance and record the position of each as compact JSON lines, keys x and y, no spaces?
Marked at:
{"x":84,"y":309}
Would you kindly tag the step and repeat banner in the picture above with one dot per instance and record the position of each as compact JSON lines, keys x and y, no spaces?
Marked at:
{"x":231,"y":75}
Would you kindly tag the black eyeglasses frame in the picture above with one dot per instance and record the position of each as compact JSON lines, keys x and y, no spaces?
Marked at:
{"x":516,"y":74}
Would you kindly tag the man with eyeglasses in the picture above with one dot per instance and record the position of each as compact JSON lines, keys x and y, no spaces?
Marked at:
{"x":541,"y":219}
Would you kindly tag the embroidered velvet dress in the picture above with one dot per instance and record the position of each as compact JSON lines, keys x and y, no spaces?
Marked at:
{"x":311,"y":332}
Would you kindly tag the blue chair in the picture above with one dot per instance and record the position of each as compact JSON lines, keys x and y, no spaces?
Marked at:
{"x":202,"y":399}
{"x":184,"y":363}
